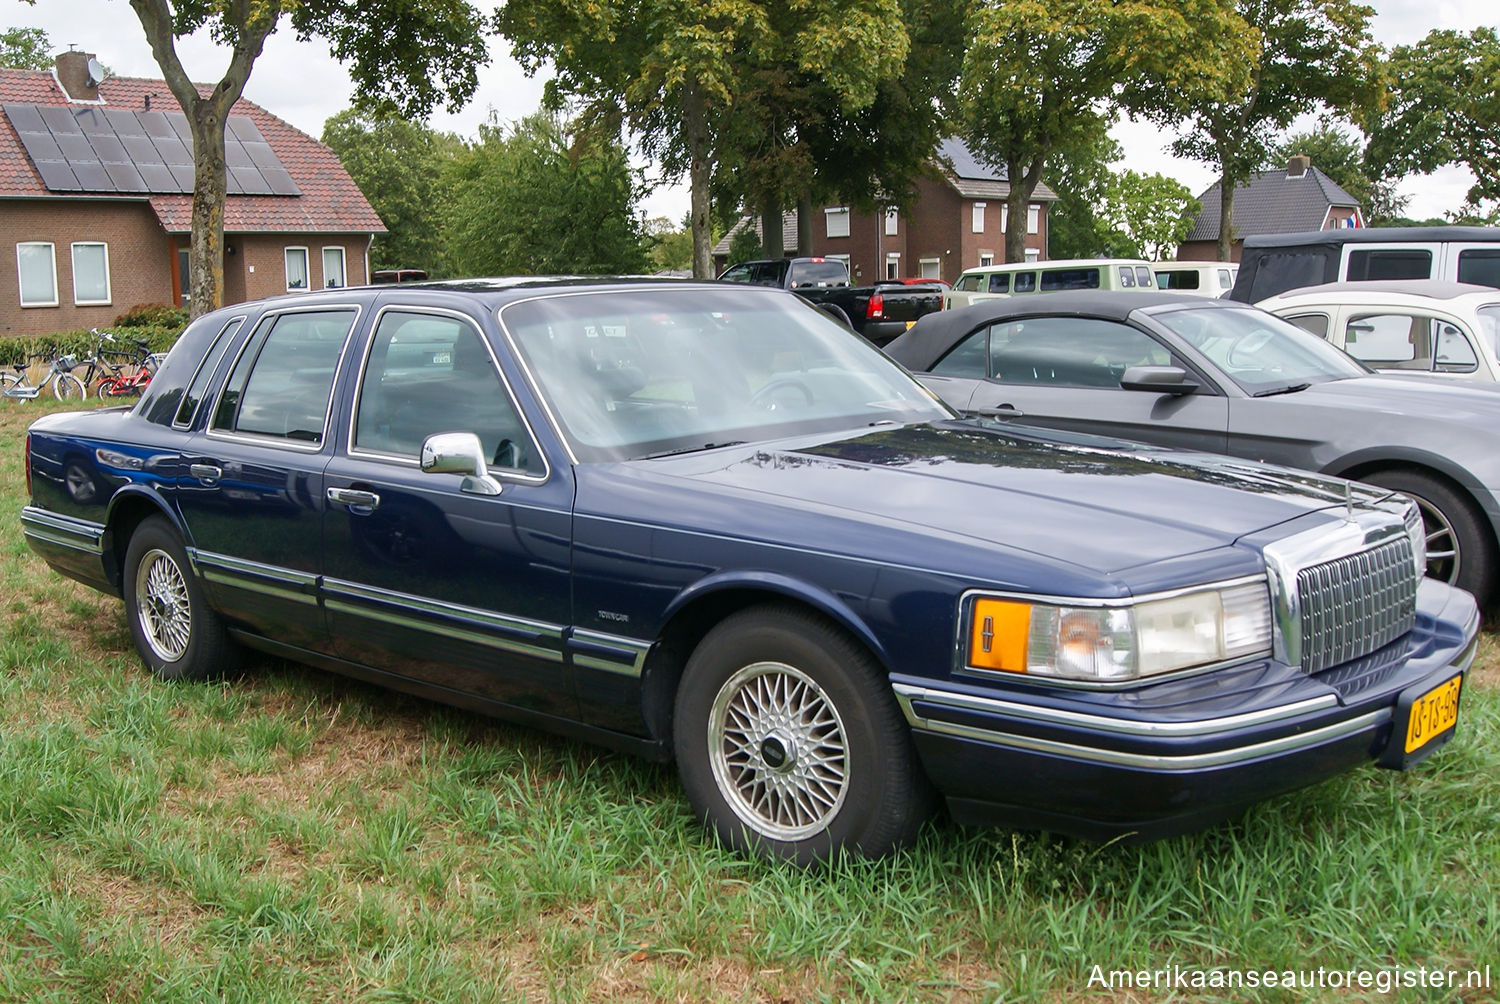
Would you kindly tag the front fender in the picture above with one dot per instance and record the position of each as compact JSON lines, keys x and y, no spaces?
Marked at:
{"x":1409,"y":456}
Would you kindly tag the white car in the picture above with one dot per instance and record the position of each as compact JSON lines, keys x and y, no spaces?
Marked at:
{"x":1404,"y":326}
{"x":1196,"y":278}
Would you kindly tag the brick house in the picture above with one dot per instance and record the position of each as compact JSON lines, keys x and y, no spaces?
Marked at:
{"x":1297,"y":199}
{"x":96,"y":200}
{"x":956,"y":221}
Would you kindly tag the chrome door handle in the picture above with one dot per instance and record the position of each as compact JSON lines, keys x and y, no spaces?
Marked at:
{"x":353,"y":498}
{"x":207,"y":473}
{"x":1001,"y":411}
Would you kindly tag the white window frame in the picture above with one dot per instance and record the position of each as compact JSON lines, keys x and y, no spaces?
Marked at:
{"x":1033,"y":254}
{"x":21,"y":289}
{"x":839,"y":214}
{"x":976,"y":224}
{"x":935,"y":263}
{"x":343,"y":266}
{"x":893,"y":264}
{"x":892,"y":222}
{"x":108,"y":290}
{"x":1033,"y":218}
{"x":986,"y":258}
{"x":286,"y":258}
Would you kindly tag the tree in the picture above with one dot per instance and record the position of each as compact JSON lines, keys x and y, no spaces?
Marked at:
{"x":1081,"y":176}
{"x":531,"y":200}
{"x":1444,"y":109}
{"x":25,"y":49}
{"x":1151,"y":213}
{"x":671,"y":244}
{"x":1311,"y":52}
{"x":409,"y":53}
{"x":1341,"y":156}
{"x":400,"y":166}
{"x":1038,"y":76}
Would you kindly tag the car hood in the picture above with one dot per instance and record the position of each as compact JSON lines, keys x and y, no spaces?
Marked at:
{"x":902,"y":493}
{"x":1425,"y":397}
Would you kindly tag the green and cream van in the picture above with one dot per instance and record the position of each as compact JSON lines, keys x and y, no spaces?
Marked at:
{"x":1023,"y":277}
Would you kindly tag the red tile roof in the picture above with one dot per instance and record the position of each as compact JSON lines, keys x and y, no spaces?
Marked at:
{"x":330,"y":201}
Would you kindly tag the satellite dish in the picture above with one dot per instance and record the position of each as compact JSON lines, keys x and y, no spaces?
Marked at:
{"x":97,"y":73}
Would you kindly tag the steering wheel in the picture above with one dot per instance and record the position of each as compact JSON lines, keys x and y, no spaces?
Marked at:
{"x":758,"y":398}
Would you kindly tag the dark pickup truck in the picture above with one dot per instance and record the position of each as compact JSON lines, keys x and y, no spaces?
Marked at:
{"x":879,"y":312}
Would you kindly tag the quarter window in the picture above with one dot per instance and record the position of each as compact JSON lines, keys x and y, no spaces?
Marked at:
{"x":190,"y":400}
{"x":37,"y":264}
{"x":429,"y":373}
{"x":1313,"y":324}
{"x":90,"y":273}
{"x":284,"y":377}
{"x":296,"y":268}
{"x":333,"y":268}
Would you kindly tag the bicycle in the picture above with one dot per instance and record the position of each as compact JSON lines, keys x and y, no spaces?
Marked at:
{"x":97,"y":366}
{"x":65,"y":386}
{"x":124,"y":382}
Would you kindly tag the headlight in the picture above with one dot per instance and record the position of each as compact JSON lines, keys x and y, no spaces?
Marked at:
{"x":1417,"y":531}
{"x":1119,"y":643}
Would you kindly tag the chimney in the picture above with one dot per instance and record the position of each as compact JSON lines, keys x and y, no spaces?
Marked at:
{"x":1298,"y":165}
{"x":73,"y":75}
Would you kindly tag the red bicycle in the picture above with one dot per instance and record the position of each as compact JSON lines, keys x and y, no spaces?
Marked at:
{"x":133,"y":376}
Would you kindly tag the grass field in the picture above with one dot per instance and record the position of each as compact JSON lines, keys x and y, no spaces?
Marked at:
{"x":294,"y":836}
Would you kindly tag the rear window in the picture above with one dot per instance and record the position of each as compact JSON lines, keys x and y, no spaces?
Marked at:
{"x":818,"y":273}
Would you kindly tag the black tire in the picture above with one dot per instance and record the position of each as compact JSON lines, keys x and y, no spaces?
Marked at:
{"x":176,"y":633}
{"x":816,"y":717}
{"x":1460,"y":546}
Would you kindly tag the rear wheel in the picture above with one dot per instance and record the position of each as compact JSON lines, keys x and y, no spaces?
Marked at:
{"x":106,"y":389}
{"x":176,"y":633}
{"x":1460,"y":546}
{"x":789,"y":741}
{"x":67,"y":387}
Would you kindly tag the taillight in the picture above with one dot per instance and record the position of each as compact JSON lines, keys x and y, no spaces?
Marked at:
{"x":875,"y":308}
{"x":27,"y":464}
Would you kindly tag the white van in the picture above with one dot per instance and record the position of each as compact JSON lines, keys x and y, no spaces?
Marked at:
{"x":1275,"y":263}
{"x":1022,"y":277}
{"x":1196,"y":278}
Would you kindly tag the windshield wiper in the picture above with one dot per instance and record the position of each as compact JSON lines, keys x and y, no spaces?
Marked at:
{"x":690,"y":449}
{"x":1291,"y":388}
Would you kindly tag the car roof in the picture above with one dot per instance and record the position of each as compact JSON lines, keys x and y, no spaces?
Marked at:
{"x":1375,"y":235}
{"x":937,"y":332}
{"x":1432,"y":289}
{"x":1017,"y":266}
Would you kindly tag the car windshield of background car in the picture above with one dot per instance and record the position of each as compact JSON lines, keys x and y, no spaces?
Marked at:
{"x":646,"y":372}
{"x":1261,"y":353}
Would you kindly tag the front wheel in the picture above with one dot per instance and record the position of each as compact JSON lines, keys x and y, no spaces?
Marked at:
{"x":789,"y":741}
{"x":1460,"y":547}
{"x":67,"y":387}
{"x":176,"y":633}
{"x":106,"y":389}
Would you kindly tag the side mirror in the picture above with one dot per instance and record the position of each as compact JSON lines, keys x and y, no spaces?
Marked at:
{"x":459,"y":453}
{"x":1158,"y":380}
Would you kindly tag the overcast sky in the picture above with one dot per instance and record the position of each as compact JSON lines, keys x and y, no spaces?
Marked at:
{"x":302,"y":83}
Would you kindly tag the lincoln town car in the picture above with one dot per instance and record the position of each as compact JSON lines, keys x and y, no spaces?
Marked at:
{"x":706,"y":523}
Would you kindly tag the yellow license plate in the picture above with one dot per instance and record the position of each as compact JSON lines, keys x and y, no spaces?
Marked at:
{"x":1432,"y":714}
{"x":909,"y":324}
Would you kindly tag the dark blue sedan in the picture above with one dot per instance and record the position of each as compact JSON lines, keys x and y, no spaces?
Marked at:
{"x":707,"y":523}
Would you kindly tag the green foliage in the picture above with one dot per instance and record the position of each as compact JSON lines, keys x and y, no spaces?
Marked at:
{"x":1152,"y":213}
{"x":1081,"y":176}
{"x":746,"y":244}
{"x":401,"y":166}
{"x":671,"y":246}
{"x":527,"y":201}
{"x":1340,"y":156}
{"x":153,"y":315}
{"x":25,"y":49}
{"x":15,"y":349}
{"x":1444,"y":109}
{"x":1039,"y":75}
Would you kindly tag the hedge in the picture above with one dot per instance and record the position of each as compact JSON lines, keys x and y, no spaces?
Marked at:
{"x":156,"y":324}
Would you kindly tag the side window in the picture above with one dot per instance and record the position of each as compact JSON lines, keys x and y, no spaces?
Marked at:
{"x":1127,"y":277}
{"x":968,"y":283}
{"x":1187,"y":279}
{"x":283,"y":379}
{"x":1390,"y":341}
{"x":1226,"y":280}
{"x":1313,"y":324}
{"x":430,"y":373}
{"x":1454,"y":352}
{"x":1025,"y":282}
{"x":1070,"y":278}
{"x":1071,"y":351}
{"x":969,"y":358}
{"x":1479,"y":266}
{"x":740,"y":273}
{"x":1143,"y":276}
{"x":188,"y":409}
{"x":1392,"y":263}
{"x":1000,"y":282}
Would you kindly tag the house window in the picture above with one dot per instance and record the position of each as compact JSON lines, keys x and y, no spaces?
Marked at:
{"x":978,"y":225}
{"x":892,"y":265}
{"x":892,"y":223}
{"x":1032,"y":254}
{"x":1033,"y":219}
{"x":930,"y":268}
{"x":37,"y":264}
{"x":986,"y":258}
{"x":333,"y":268}
{"x":296,"y":268}
{"x":838,"y":221}
{"x":90,"y":273}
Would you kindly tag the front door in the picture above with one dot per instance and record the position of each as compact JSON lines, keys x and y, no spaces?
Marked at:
{"x":423,"y":579}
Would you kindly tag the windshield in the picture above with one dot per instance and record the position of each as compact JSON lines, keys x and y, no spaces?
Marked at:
{"x":635,"y":373}
{"x":1261,"y":353}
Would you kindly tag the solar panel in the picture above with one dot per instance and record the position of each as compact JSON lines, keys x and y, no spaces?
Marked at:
{"x":118,"y":150}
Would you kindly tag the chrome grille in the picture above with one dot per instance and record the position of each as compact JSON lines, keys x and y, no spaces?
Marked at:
{"x":1355,"y":604}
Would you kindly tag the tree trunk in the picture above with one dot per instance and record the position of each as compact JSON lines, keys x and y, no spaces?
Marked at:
{"x":771,"y":237}
{"x":805,"y":209}
{"x":1226,"y":215}
{"x":1017,"y":204}
{"x":206,"y":258}
{"x":700,"y":171}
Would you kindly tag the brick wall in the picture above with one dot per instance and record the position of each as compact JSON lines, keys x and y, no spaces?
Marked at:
{"x":259,"y":262}
{"x":139,"y":260}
